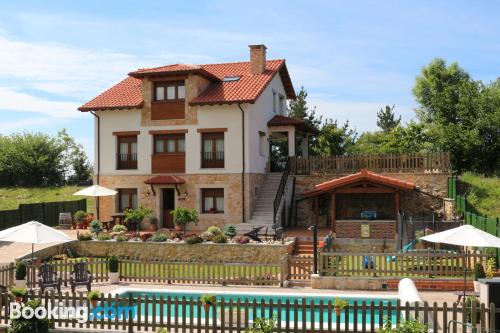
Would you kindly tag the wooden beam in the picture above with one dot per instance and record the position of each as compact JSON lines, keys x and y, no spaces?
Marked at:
{"x":333,"y":206}
{"x":396,"y":204}
{"x":125,"y":133}
{"x":365,"y":190}
{"x":211,"y":130}
{"x":176,"y":131}
{"x":316,"y":210}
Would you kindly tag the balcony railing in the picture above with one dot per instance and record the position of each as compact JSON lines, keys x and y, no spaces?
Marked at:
{"x":126,"y":161}
{"x":212,"y":159}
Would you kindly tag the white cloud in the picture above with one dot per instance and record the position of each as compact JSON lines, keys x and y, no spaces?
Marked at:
{"x":7,"y":127}
{"x":18,"y":101}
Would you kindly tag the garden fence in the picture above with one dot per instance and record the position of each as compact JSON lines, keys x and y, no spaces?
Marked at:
{"x":43,"y":212}
{"x":147,"y":313}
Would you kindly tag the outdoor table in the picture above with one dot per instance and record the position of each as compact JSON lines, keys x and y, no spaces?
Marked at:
{"x":118,"y":218}
{"x":460,"y":294}
{"x":108,"y":225}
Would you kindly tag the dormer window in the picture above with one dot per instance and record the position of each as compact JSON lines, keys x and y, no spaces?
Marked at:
{"x":169,"y":91}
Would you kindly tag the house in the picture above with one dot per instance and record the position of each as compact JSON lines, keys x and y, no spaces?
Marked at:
{"x":197,"y":136}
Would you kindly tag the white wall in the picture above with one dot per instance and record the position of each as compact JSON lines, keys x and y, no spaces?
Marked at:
{"x":218,"y":116}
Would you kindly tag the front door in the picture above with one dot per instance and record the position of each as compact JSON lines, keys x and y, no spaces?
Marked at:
{"x":168,"y":205}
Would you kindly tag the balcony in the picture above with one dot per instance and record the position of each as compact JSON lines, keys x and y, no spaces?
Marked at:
{"x":171,"y":162}
{"x":212,"y":159}
{"x":126,"y":161}
{"x":162,"y":110}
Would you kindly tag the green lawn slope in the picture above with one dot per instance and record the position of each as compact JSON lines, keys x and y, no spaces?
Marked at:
{"x":483,"y":194}
{"x":11,"y":197}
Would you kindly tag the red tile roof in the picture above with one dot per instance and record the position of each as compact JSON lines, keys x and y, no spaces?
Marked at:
{"x":127,"y":94}
{"x":167,"y":179}
{"x":363,"y":175}
{"x":280,"y":120}
{"x":124,"y":95}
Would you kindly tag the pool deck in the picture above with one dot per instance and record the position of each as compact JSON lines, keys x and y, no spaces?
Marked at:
{"x":429,"y":296}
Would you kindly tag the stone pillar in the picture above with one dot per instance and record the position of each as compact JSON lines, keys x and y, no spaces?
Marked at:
{"x":305,"y":146}
{"x":291,"y":142}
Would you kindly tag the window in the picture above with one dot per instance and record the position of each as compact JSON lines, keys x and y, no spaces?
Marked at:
{"x":282,"y":105}
{"x":169,"y":91}
{"x":263,"y":147}
{"x":127,"y":198}
{"x":212,"y":200}
{"x":127,"y":152}
{"x":169,"y":144}
{"x":212,"y":155}
{"x":274,"y":101}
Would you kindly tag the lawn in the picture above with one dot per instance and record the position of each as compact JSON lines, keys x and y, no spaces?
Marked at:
{"x":483,"y":194}
{"x":11,"y":197}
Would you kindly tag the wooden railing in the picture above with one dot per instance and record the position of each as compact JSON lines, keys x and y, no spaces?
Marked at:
{"x":145,"y":313}
{"x":280,"y":192}
{"x":7,"y":274}
{"x":411,"y":264}
{"x":391,"y":163}
{"x":126,"y":161}
{"x":300,"y":268}
{"x":215,"y":272}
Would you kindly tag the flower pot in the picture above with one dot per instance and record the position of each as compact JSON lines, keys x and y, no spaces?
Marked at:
{"x":178,"y":227}
{"x":20,"y":283}
{"x":207,"y":306}
{"x":477,"y":286}
{"x":94,"y":302}
{"x":153,"y":227}
{"x":114,"y":277}
{"x":19,"y":299}
{"x":338,"y":311}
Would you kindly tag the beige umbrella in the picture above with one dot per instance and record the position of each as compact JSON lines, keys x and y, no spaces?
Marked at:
{"x":96,"y":191}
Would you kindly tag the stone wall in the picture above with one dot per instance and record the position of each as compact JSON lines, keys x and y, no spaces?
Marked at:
{"x":244,"y":253}
{"x":378,"y":229}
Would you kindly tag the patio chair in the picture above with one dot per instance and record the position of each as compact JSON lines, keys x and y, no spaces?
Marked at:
{"x":80,"y":276}
{"x":254,"y":234}
{"x":48,"y":278}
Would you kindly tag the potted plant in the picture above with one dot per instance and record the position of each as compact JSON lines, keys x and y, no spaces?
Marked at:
{"x":80,"y":217}
{"x":20,"y":275}
{"x":153,"y":223}
{"x":478,"y":274}
{"x":113,"y":268}
{"x":490,"y":268}
{"x":95,"y":227}
{"x":35,"y":323}
{"x":18,"y":293}
{"x":183,"y":216}
{"x":93,"y":297}
{"x":339,"y":304}
{"x":230,"y":230}
{"x":133,"y":217}
{"x":207,"y":301}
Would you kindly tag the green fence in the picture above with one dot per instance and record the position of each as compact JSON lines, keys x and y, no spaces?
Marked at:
{"x":44,"y":212}
{"x":483,"y":222}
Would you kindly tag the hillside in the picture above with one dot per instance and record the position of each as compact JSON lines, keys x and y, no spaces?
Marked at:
{"x":11,"y":197}
{"x":482,"y":193}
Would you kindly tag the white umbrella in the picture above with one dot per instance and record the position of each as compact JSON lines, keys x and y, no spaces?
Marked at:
{"x":96,"y":191}
{"x":465,"y":235}
{"x":35,"y":233}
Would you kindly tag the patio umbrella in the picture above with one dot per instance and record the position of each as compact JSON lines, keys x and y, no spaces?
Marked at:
{"x":465,"y":235}
{"x":96,"y":191}
{"x":35,"y":233}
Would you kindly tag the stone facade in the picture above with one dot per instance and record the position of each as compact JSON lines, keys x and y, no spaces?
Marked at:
{"x":377,"y":229}
{"x":150,"y":197}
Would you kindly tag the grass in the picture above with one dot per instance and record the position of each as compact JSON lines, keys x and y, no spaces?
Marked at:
{"x":483,"y":194}
{"x":11,"y":197}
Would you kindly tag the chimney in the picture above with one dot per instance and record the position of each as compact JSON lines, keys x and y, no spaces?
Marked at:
{"x":257,"y":58}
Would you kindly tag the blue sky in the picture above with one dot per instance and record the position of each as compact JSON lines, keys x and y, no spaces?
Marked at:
{"x":352,"y":56}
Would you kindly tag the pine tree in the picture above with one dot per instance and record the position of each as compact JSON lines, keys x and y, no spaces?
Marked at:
{"x":298,"y":109}
{"x":387,"y":119}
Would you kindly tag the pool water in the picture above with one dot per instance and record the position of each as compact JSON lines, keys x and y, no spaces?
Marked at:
{"x":258,"y":310}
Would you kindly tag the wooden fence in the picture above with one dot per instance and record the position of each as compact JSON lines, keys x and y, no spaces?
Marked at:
{"x":151,"y":271}
{"x":411,"y":264}
{"x":44,"y":212}
{"x":393,"y":163}
{"x":146,"y":313}
{"x":7,"y":274}
{"x":300,"y":268}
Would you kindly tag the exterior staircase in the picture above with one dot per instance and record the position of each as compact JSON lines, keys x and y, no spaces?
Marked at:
{"x":304,"y":248}
{"x":262,"y":215}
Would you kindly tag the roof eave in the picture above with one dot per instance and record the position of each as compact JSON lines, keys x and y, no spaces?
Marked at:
{"x":105,"y":108}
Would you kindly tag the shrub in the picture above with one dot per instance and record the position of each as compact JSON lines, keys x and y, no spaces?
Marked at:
{"x":80,"y":215}
{"x":159,"y":238}
{"x":214,"y":230}
{"x":230,"y":230}
{"x":468,"y":311}
{"x":22,"y":325}
{"x":193,"y":239}
{"x":183,"y":216}
{"x":479,"y":271}
{"x":137,"y":215}
{"x":340,"y":303}
{"x":113,"y":264}
{"x":18,"y":292}
{"x":93,"y":295}
{"x":262,"y":325}
{"x":20,"y":271}
{"x":146,"y":236}
{"x":104,"y":237}
{"x":119,"y":228}
{"x":95,"y":227}
{"x":241,"y":239}
{"x":121,"y":238}
{"x":407,"y":326}
{"x":206,"y":236}
{"x":208,"y":299}
{"x":84,"y":236}
{"x":490,"y":268}
{"x":219,"y":239}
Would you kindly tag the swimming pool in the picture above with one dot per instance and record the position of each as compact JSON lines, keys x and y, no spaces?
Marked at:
{"x":287,"y":307}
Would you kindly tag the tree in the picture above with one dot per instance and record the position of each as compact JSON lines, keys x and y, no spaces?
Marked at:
{"x":298,"y":109}
{"x":386,"y":119}
{"x":333,"y":139}
{"x":77,"y":166}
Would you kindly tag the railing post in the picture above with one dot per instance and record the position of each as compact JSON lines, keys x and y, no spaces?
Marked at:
{"x":131,"y":317}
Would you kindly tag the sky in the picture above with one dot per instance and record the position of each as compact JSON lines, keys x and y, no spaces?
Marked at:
{"x":352,"y":57}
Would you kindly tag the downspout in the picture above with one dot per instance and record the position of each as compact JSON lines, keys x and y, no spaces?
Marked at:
{"x":242,"y":161}
{"x":98,"y":164}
